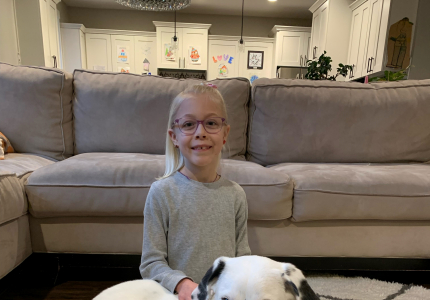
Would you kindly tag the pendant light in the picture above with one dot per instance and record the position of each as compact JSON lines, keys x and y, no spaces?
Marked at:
{"x":241,"y":45}
{"x":174,"y":43}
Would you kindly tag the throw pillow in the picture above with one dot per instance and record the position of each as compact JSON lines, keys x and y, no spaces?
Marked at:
{"x":5,"y":146}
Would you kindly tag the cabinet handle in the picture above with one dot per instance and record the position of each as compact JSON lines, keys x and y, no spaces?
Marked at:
{"x":179,"y":62}
{"x":371,"y":63}
{"x":55,"y":60}
{"x":184,"y":62}
{"x":301,"y":60}
{"x":367,"y":70}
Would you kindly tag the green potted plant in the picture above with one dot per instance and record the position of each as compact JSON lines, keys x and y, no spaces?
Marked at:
{"x":319,"y":69}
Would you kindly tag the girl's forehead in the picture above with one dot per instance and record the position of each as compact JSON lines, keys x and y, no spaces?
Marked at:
{"x":199,"y":107}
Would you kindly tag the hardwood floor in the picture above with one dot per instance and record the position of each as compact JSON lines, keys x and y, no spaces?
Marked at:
{"x":39,"y":279}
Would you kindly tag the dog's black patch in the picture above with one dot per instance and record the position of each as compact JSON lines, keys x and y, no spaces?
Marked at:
{"x":306,"y":291}
{"x":208,"y":278}
{"x":291,"y":288}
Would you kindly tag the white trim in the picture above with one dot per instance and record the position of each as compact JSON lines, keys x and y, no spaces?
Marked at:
{"x":73,"y":26}
{"x":237,"y":38}
{"x":317,"y":5}
{"x":181,"y":25}
{"x":357,"y":4}
{"x":121,"y":32}
{"x":278,"y":28}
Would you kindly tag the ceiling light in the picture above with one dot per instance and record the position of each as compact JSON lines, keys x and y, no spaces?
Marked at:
{"x":156,"y":5}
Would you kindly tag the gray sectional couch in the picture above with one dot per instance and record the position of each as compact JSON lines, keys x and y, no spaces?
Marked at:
{"x":330,"y":169}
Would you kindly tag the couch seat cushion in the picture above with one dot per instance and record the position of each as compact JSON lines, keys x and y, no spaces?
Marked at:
{"x":359,"y":191}
{"x":116,"y":184}
{"x":14,"y":169}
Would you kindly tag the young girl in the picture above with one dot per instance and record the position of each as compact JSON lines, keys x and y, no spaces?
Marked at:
{"x":193,"y":215}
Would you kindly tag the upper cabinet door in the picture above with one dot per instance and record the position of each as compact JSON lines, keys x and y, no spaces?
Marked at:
{"x":290,"y":50}
{"x":319,"y":31}
{"x":360,"y":17}
{"x":54,"y":45}
{"x":306,"y":46}
{"x":167,"y":57}
{"x":194,"y":48}
{"x":122,"y":53}
{"x":223,"y":59}
{"x":145,"y":47}
{"x":375,"y":12}
{"x":99,"y":52}
{"x":253,"y":73}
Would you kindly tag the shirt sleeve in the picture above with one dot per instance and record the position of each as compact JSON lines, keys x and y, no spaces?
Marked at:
{"x":242,"y":247}
{"x":154,"y":251}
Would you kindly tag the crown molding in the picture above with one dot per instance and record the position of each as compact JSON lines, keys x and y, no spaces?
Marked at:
{"x":181,"y":25}
{"x":278,"y":28}
{"x":73,"y":26}
{"x":120,"y":32}
{"x":316,"y":5}
{"x":356,"y":4}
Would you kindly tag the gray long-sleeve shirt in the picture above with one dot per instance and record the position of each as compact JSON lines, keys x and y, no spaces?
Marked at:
{"x":188,"y":224}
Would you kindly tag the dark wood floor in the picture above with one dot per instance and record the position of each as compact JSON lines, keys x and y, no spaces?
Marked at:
{"x":39,"y":279}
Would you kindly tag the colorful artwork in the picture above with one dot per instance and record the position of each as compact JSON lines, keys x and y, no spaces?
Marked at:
{"x":124,"y":69}
{"x":169,"y":53}
{"x":226,"y":57}
{"x":194,"y":56}
{"x":122,"y":52}
{"x":222,"y":70}
{"x":146,"y":64}
{"x":399,"y":44}
{"x":253,"y":77}
{"x":255,"y":59}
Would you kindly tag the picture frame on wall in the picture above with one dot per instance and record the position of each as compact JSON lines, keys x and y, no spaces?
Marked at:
{"x":255,"y":60}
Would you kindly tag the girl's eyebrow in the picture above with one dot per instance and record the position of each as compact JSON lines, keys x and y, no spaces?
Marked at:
{"x":191,"y":115}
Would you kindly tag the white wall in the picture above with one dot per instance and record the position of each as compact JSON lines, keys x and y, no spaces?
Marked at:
{"x":8,"y":35}
{"x":142,"y":21}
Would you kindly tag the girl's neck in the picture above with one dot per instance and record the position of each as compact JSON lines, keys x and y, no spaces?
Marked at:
{"x":208,"y":176}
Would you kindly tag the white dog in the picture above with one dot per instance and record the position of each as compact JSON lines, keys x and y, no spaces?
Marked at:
{"x":246,"y":277}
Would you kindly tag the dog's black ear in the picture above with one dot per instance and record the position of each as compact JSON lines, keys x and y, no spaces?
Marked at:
{"x":211,"y":275}
{"x":306,"y":292}
{"x":296,"y":283}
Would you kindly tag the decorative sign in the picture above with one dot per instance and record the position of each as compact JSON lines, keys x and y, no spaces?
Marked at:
{"x":122,"y":52}
{"x":224,"y":57}
{"x":222,"y":70}
{"x":169,"y":53}
{"x":255,"y":59}
{"x":124,"y":69}
{"x":193,"y":53}
{"x":399,"y":44}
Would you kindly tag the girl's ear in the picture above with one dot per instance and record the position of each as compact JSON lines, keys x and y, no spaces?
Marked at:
{"x":226,"y":132}
{"x":172,"y":136}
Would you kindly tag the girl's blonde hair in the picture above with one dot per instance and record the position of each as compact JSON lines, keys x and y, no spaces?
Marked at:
{"x":174,"y":158}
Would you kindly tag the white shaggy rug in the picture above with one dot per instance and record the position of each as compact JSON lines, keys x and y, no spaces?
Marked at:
{"x":333,"y":287}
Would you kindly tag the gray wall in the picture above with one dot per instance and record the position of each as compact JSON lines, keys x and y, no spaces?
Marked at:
{"x":64,"y":12}
{"x":142,"y":21}
{"x":421,"y":53}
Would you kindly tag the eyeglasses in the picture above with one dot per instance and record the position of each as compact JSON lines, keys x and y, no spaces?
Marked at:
{"x":188,"y":126}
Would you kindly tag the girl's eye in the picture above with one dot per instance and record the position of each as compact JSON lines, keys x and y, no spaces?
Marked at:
{"x":224,"y":298}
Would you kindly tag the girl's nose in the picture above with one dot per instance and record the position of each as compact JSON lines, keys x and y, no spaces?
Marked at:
{"x":200,"y":131}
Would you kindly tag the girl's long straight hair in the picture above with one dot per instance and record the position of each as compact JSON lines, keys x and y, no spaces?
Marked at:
{"x":174,"y":157}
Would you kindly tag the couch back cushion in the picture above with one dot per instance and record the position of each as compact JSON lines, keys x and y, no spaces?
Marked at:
{"x":36,"y":110}
{"x":318,"y":121}
{"x":119,"y":112}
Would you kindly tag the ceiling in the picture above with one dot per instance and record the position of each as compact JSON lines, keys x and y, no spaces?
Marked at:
{"x":256,"y":8}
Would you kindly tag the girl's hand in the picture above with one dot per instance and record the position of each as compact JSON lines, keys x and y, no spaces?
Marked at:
{"x":184,"y":289}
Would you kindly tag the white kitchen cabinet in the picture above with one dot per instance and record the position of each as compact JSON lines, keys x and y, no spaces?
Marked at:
{"x":9,"y":48}
{"x":99,"y":51}
{"x":38,"y":32}
{"x":73,"y":46}
{"x":331,"y":31}
{"x":191,"y":38}
{"x":256,"y":44}
{"x":356,"y":53}
{"x":371,"y":22}
{"x":223,"y":59}
{"x":122,"y":53}
{"x":291,"y":46}
{"x":145,"y":47}
{"x":226,"y":60}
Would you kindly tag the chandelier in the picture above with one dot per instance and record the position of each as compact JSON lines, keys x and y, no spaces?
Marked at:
{"x":156,"y":5}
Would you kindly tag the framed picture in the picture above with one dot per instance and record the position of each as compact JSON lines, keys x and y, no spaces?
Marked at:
{"x":255,"y":59}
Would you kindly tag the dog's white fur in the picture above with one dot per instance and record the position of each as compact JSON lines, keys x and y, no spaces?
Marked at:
{"x":246,"y":277}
